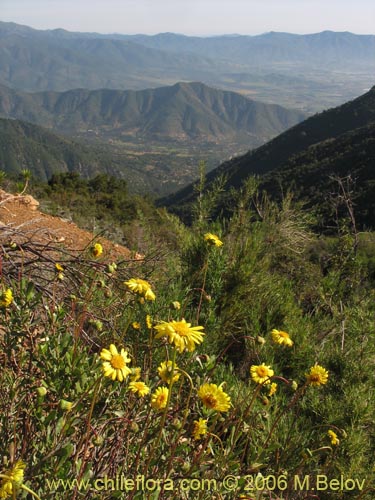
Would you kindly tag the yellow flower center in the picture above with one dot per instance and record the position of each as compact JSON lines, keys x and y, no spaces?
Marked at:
{"x":262,"y":371}
{"x":161,"y":399}
{"x":210,"y":401}
{"x":117,"y":362}
{"x":181,"y":329}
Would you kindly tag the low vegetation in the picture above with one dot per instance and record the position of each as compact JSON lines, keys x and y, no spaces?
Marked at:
{"x":233,"y":361}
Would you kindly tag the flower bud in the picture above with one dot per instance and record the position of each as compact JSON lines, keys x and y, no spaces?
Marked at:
{"x":65,"y":405}
{"x":186,"y":466}
{"x":134,"y":427}
{"x":98,"y":440}
{"x":42,"y":391}
{"x":177,"y":423}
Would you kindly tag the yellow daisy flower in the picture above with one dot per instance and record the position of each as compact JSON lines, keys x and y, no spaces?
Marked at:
{"x":6,"y":298}
{"x":333,"y":437}
{"x":159,"y":398}
{"x":282,"y":338}
{"x":317,"y":376}
{"x":165,"y":372}
{"x":97,"y":250}
{"x":261,"y":373}
{"x":59,"y":267}
{"x":212,"y":239}
{"x":141,"y":287}
{"x":200,"y":428}
{"x":181,"y":334}
{"x":273,"y":389}
{"x":136,"y":325}
{"x":13,"y":481}
{"x":214,"y":398}
{"x":114,"y":363}
{"x":139,"y":388}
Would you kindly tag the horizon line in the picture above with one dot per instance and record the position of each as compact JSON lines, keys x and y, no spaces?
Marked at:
{"x":219,"y":34}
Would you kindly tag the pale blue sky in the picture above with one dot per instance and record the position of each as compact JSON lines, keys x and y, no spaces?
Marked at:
{"x":193,"y":17}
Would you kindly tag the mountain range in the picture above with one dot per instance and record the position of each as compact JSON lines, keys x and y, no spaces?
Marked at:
{"x":305,"y":71}
{"x":339,"y":142}
{"x":325,"y":49}
{"x":182,"y":111}
{"x":77,"y":84}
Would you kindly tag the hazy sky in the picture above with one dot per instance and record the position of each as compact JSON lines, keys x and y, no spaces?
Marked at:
{"x":193,"y":17}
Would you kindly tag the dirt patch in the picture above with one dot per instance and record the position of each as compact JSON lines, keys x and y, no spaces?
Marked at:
{"x":21,"y":221}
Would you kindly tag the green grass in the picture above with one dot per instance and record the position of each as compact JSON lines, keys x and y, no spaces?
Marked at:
{"x":78,"y":431}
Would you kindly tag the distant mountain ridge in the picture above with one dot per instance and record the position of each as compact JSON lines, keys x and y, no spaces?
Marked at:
{"x":182,"y":111}
{"x":281,"y":68}
{"x":35,"y":60}
{"x":324,"y":48}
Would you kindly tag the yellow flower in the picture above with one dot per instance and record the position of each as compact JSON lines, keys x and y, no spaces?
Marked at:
{"x":176,"y":305}
{"x":181,"y":334}
{"x":136,"y":325}
{"x":148,"y":321}
{"x":135,"y":374}
{"x":214,"y":398}
{"x":159,"y":398}
{"x":139,"y":388}
{"x":261,"y":373}
{"x":97,"y":250}
{"x":59,"y":267}
{"x":165,"y":372}
{"x":200,"y":428}
{"x":114,"y":364}
{"x":212,"y":239}
{"x":281,"y":338}
{"x":149,"y":295}
{"x":13,"y":481}
{"x":333,"y":437}
{"x":273,"y":389}
{"x":317,"y":376}
{"x":6,"y":298}
{"x":142,"y":287}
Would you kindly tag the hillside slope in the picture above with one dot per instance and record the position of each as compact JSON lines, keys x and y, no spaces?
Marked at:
{"x":339,"y":141}
{"x":312,"y":175}
{"x":24,"y":145}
